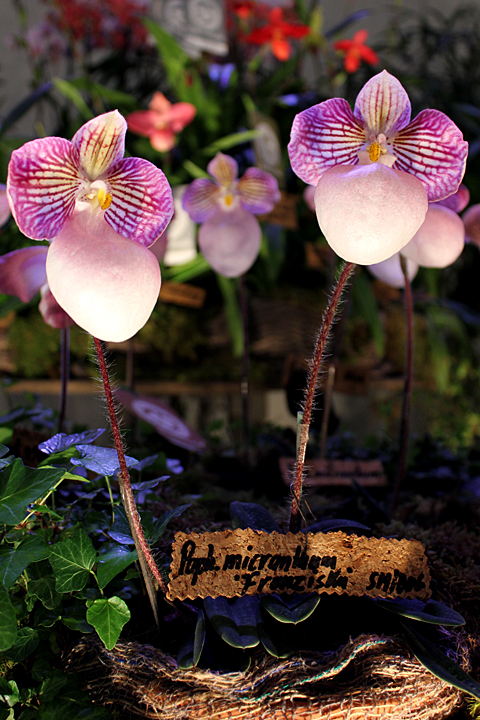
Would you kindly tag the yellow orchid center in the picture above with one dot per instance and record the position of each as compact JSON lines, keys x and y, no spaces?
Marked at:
{"x":228,"y":200}
{"x":104,"y":198}
{"x":375,"y":150}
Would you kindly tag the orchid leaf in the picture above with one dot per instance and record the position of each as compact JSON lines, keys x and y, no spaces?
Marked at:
{"x":189,"y":654}
{"x":437,"y":662}
{"x":69,"y":91}
{"x":292,"y":611}
{"x":432,"y":612}
{"x":108,"y":616}
{"x":235,"y":621}
{"x":251,"y":515}
{"x":188,"y":271}
{"x":230,"y":141}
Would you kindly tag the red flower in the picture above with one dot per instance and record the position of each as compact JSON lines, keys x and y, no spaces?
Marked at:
{"x":355,"y":51}
{"x":276,"y":34}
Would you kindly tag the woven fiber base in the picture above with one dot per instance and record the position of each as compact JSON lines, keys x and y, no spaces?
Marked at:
{"x":371,"y":677}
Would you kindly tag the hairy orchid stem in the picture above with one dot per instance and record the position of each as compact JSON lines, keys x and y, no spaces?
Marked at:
{"x":310,"y":393}
{"x":244,"y":388}
{"x":407,"y":390}
{"x":147,"y":563}
{"x":64,"y":375}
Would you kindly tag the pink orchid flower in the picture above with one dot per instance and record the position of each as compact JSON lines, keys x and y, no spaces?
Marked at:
{"x":230,"y":235}
{"x":373,"y":169}
{"x":437,"y":244}
{"x":23,"y":274}
{"x":101,"y":211}
{"x":161,"y":121}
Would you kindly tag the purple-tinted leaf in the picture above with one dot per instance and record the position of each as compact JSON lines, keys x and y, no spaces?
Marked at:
{"x":322,"y":136}
{"x":100,"y":459}
{"x":62,"y":441}
{"x":146,"y":462}
{"x":142,"y":201}
{"x":174,"y":466}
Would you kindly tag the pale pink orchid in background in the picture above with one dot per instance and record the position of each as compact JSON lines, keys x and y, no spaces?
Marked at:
{"x":230,"y":235}
{"x":437,"y":244}
{"x":23,"y":274}
{"x":161,"y":121}
{"x":367,"y":209}
{"x":471,"y":220}
{"x":101,"y":212}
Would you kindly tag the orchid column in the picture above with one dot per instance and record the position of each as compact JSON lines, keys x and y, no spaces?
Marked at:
{"x":374,"y":173}
{"x":101,"y":212}
{"x":230,"y":234}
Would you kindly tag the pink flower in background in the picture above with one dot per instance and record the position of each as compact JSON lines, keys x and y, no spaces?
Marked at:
{"x":161,"y":121}
{"x":101,"y":211}
{"x":437,"y":244}
{"x":230,"y":234}
{"x":373,"y":169}
{"x":355,"y":51}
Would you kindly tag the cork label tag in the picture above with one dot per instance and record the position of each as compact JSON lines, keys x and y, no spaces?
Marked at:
{"x":248,"y":562}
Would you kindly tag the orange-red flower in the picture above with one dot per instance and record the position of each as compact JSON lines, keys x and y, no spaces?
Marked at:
{"x":276,"y":34}
{"x":355,"y":51}
{"x":161,"y":121}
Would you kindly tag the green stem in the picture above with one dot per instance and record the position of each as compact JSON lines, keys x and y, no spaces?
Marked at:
{"x":147,"y":563}
{"x":310,"y":393}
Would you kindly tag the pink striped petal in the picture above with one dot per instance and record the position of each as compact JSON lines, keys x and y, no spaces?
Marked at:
{"x":142,"y":202}
{"x":4,"y":206}
{"x":223,"y":168}
{"x":230,"y":241}
{"x":458,"y":201}
{"x":258,"y":191}
{"x":383,"y":105}
{"x":42,"y":183}
{"x":200,"y":199}
{"x":322,"y":136}
{"x":101,"y":143}
{"x":22,"y":272}
{"x":432,"y":148}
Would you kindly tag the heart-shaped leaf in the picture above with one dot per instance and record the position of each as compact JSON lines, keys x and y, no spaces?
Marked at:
{"x":60,"y":442}
{"x":20,"y":486}
{"x":72,"y":561}
{"x":108,"y":616}
{"x":101,"y":460}
{"x":235,"y":620}
{"x":26,"y":642}
{"x":13,"y":561}
{"x":112,"y":563}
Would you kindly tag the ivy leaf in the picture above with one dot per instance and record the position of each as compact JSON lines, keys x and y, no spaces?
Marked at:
{"x":112,"y":563}
{"x":101,"y":460}
{"x":72,"y":561}
{"x":44,"y":590}
{"x":52,"y":685}
{"x":9,"y":693}
{"x":8,"y":621}
{"x":13,"y":561}
{"x":75,"y":618}
{"x":20,"y":486}
{"x":26,"y":642}
{"x":108,"y":616}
